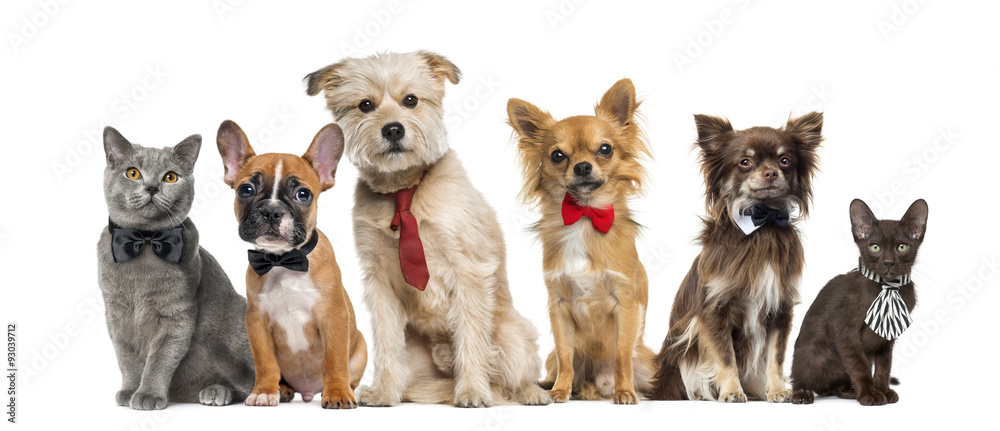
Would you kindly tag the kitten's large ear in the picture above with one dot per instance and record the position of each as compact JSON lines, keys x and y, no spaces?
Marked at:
{"x":862,"y":220}
{"x":320,"y":79}
{"x":441,"y":67}
{"x":324,"y":153}
{"x":527,"y":120}
{"x":116,"y":147}
{"x":187,"y":151}
{"x":915,"y":220}
{"x":619,"y":103}
{"x":234,"y":148}
{"x":807,"y":129}
{"x":712,"y":131}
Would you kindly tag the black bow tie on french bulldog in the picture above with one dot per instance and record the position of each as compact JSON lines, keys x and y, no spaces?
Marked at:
{"x":127,"y":244}
{"x":295,"y":259}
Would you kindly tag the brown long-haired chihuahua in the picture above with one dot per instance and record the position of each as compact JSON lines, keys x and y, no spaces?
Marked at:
{"x":580,"y":172}
{"x":731,"y":318}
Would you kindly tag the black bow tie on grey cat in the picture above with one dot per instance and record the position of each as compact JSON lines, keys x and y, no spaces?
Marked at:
{"x":295,"y":259}
{"x":761,"y":214}
{"x":126,"y":244}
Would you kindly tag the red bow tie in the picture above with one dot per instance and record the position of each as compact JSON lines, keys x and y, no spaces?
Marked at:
{"x":601,"y":218}
{"x":411,"y":251}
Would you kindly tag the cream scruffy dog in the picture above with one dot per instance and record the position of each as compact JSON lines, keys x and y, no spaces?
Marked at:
{"x":450,"y":335}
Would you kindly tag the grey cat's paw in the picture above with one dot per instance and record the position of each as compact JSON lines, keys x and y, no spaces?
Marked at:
{"x":147,"y":401}
{"x":123,"y":396}
{"x":215,"y":395}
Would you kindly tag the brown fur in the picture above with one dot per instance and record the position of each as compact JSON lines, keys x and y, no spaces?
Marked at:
{"x":598,"y":311}
{"x":731,"y":318}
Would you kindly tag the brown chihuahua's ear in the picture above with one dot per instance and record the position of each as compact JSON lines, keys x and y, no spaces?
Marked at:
{"x":441,"y":67}
{"x":234,"y":148}
{"x":320,"y":79}
{"x":324,"y":153}
{"x":619,"y":103}
{"x":915,"y":220}
{"x":711,"y":131}
{"x":862,"y":220}
{"x":116,"y":147}
{"x":527,"y":120}
{"x":806,"y":129}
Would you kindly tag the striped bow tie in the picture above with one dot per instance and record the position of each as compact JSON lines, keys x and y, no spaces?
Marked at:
{"x":888,"y":315}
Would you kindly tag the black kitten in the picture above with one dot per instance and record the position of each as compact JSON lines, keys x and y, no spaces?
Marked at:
{"x":855,"y":319}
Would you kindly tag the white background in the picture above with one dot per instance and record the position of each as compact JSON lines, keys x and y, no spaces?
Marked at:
{"x":893,"y":77}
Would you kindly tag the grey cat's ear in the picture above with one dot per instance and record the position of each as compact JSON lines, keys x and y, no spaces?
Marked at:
{"x":914,"y":221}
{"x":324,"y":153}
{"x":712,"y":131}
{"x":187,"y":151}
{"x":807,"y":129}
{"x":234,"y":148}
{"x":116,"y":147}
{"x":862,"y":220}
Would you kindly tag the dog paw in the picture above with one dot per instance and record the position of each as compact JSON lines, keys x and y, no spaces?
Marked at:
{"x":782,"y":396}
{"x":146,"y":401}
{"x":890,"y":396}
{"x":285,"y":393}
{"x":338,"y":399}
{"x":473,"y":398}
{"x":262,"y":399}
{"x":802,"y":396}
{"x":626,"y":397}
{"x":215,"y":395}
{"x":733,"y":397}
{"x":443,"y":358}
{"x":370,"y":397}
{"x":124,"y":396}
{"x":533,"y":395}
{"x":559,"y":395}
{"x":872,"y":399}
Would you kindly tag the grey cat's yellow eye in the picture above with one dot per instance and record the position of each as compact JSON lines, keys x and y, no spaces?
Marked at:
{"x":902,"y":248}
{"x":132,"y":174}
{"x":170,"y":177}
{"x":874,"y":248}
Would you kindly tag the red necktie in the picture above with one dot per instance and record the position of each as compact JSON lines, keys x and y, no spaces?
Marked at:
{"x":601,"y":218}
{"x":411,"y":250}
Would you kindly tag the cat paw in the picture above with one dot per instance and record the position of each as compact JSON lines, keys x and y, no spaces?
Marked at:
{"x":890,"y":396}
{"x":262,"y":399}
{"x":371,"y":397}
{"x":782,"y":396}
{"x":533,"y":395}
{"x":627,"y":396}
{"x":872,"y":399}
{"x":559,"y":395}
{"x":285,"y":393}
{"x":473,"y":398}
{"x":215,"y":395}
{"x":124,"y":396}
{"x":142,"y":400}
{"x":733,"y":397}
{"x":338,"y":399}
{"x":802,"y":396}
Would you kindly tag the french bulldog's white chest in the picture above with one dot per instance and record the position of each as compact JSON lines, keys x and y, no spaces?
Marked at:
{"x":288,"y":298}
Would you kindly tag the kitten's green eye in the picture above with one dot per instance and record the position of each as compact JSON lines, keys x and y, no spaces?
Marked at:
{"x":875,"y":248}
{"x":902,"y":248}
{"x":170,"y":177}
{"x":132,"y":174}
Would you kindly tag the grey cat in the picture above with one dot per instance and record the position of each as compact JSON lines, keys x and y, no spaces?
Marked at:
{"x":177,"y":328}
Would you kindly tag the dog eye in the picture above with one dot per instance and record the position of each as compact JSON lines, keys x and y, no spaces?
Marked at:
{"x":902,"y":248}
{"x":245,"y":191}
{"x":170,"y":177}
{"x":558,"y":156}
{"x":605,"y":150}
{"x":303,"y":195}
{"x":132,"y":174}
{"x":785,"y":162}
{"x":410,"y":101}
{"x":366,"y":106}
{"x":746,"y":163}
{"x":875,"y":248}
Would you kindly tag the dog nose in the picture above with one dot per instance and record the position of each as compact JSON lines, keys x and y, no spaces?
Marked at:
{"x":271,"y":215}
{"x":770,"y":175}
{"x":393,"y":131}
{"x":582,"y":169}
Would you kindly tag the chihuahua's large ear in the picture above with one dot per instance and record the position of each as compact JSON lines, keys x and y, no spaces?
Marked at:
{"x":234,"y":148}
{"x":441,"y":67}
{"x":619,"y":103}
{"x":711,"y":131}
{"x":862,"y":220}
{"x":320,"y":79}
{"x":915,"y":220}
{"x":324,"y":153}
{"x":116,"y":147}
{"x":807,"y":129}
{"x":527,"y":120}
{"x":187,"y":151}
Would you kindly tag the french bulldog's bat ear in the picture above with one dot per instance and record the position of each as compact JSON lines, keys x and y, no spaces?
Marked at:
{"x":441,"y":67}
{"x":321,"y":79}
{"x":527,"y":120}
{"x":914,"y":221}
{"x":862,"y":220}
{"x":234,"y":148}
{"x":116,"y":147}
{"x":187,"y":151}
{"x":324,"y":153}
{"x":619,"y":103}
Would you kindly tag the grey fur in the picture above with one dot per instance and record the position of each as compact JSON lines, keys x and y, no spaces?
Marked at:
{"x":177,"y":329}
